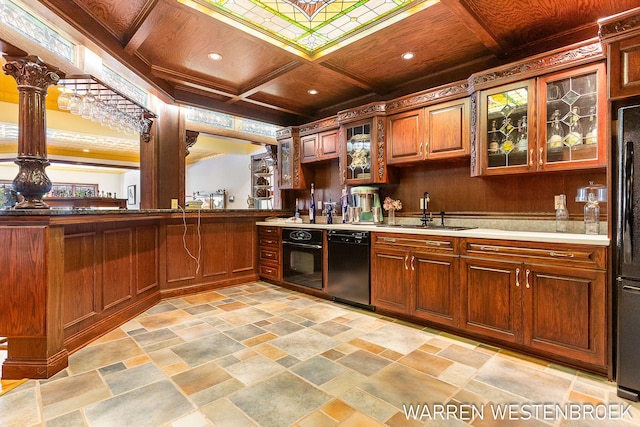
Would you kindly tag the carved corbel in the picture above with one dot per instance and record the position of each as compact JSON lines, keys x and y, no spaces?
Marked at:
{"x":190,"y":139}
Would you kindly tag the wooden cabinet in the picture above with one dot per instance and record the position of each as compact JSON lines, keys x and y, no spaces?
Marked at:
{"x":416,"y":275}
{"x":290,"y":172}
{"x":624,"y":68}
{"x":362,"y":140}
{"x":435,"y":132}
{"x":319,"y":146}
{"x":549,"y":297}
{"x":553,"y":122}
{"x":269,"y":253}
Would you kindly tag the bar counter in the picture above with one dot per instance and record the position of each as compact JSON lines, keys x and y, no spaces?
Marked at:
{"x":71,"y":276}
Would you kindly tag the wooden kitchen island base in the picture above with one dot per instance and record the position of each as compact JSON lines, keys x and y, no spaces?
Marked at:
{"x":71,"y":277}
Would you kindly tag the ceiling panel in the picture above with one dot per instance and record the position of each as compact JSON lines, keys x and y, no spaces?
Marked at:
{"x":116,"y":15}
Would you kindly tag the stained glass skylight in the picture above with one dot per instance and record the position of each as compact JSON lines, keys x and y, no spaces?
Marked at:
{"x":309,"y":26}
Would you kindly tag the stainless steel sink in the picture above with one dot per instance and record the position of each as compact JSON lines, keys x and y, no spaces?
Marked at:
{"x":426,"y":227}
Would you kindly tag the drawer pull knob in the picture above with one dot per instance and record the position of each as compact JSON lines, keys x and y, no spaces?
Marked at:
{"x":489,"y":248}
{"x":527,"y":279}
{"x":389,"y":239}
{"x":432,"y":243}
{"x":517,"y":277}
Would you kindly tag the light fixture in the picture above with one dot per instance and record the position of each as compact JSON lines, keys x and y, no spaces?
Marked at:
{"x":85,"y":150}
{"x":407,"y":55}
{"x":215,"y":56}
{"x":312,"y":92}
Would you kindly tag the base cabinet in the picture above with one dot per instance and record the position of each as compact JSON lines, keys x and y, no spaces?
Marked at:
{"x":415,"y":275}
{"x":550,"y":298}
{"x":269,"y":253}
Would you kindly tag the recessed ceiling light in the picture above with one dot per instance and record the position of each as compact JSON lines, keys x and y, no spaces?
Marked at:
{"x":85,"y":150}
{"x":408,"y":55}
{"x":215,"y":56}
{"x":312,"y":92}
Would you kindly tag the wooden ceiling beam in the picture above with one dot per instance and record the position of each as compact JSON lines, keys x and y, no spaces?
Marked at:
{"x":263,"y":81}
{"x":347,"y":76}
{"x":192,"y":81}
{"x":473,"y":23}
{"x":140,"y":29}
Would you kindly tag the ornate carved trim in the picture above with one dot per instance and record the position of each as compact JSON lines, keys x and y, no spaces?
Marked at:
{"x":191,"y":138}
{"x":284,"y":133}
{"x":295,"y":146}
{"x":32,"y":182}
{"x":538,"y":65}
{"x":30,"y":71}
{"x":429,"y":96}
{"x":381,"y":150}
{"x":362,"y":112}
{"x":474,"y":128}
{"x":319,"y":125}
{"x":617,"y":25}
{"x":145,"y":135}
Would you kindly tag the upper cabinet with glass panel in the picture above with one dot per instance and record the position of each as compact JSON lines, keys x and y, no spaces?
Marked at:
{"x":550,"y":123}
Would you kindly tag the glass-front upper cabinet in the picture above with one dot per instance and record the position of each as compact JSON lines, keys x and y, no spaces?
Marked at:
{"x":506,"y":138}
{"x":571,"y":120}
{"x":285,"y":151}
{"x":358,"y":156}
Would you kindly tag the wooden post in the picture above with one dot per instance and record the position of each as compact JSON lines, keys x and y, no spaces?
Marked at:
{"x":33,"y":78}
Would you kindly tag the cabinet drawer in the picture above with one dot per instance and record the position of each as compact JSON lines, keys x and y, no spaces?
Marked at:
{"x":269,"y":231}
{"x":271,"y":241}
{"x":268,"y":254}
{"x":269,"y":271}
{"x":415,"y":241}
{"x":546,"y":253}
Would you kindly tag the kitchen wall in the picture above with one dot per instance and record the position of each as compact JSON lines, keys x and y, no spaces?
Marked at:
{"x":452,"y":189}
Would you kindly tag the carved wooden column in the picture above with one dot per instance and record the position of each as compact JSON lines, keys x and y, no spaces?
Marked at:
{"x":33,"y":78}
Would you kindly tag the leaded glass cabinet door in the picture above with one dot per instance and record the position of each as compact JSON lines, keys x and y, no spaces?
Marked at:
{"x":571,"y":119}
{"x":358,"y":157}
{"x":507,"y":135}
{"x":285,"y":163}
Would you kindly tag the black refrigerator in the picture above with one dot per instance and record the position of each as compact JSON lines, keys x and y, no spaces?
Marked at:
{"x":628,"y":253}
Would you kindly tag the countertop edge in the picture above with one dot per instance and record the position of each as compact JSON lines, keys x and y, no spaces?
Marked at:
{"x":479,"y":233}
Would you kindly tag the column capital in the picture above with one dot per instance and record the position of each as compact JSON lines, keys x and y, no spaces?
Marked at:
{"x":30,"y":71}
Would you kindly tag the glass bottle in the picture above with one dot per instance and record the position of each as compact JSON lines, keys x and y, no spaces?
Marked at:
{"x":591,"y":134}
{"x":345,"y":204}
{"x":494,"y":144}
{"x":592,"y":215}
{"x":555,"y":134}
{"x":562,"y":214}
{"x":523,"y":137}
{"x":574,"y":137}
{"x":312,"y":207}
{"x":297,"y":214}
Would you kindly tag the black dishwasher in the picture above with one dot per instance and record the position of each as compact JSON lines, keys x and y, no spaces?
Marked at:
{"x":348,"y":267}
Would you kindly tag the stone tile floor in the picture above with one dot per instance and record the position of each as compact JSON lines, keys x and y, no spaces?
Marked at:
{"x":259,"y":355}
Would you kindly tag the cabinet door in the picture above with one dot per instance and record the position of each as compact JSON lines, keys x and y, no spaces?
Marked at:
{"x":285,"y":163}
{"x":436,"y":287}
{"x":491,"y":298}
{"x":572,"y":119}
{"x":624,"y":68}
{"x":390,"y":281}
{"x":505,"y":140}
{"x":328,"y":144}
{"x":564,"y":312}
{"x":358,"y":153}
{"x":241,"y":248}
{"x":405,"y":137}
{"x":309,"y":151}
{"x":447,"y":128}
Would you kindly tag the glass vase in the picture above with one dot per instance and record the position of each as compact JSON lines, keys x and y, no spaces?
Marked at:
{"x":391,"y":220}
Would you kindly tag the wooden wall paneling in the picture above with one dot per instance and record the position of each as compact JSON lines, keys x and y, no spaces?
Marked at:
{"x":80,"y":279}
{"x":146,"y":265}
{"x":243,"y":248}
{"x":30,"y":310}
{"x":215,"y":251}
{"x":118,"y":266}
{"x":179,"y":266}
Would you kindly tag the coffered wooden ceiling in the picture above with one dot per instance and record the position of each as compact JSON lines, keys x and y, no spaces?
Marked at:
{"x":167,"y":42}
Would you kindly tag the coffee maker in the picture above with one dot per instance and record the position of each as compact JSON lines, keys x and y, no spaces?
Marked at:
{"x":367,"y":203}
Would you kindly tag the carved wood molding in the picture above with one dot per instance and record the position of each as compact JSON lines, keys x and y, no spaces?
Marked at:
{"x":287,"y":132}
{"x":319,"y":125}
{"x":474,"y":126}
{"x":537,"y":65}
{"x":382,"y":170}
{"x":145,"y":135}
{"x":363,"y":112}
{"x":430,"y":96}
{"x":619,"y":26}
{"x":295,"y":148}
{"x":191,"y":138}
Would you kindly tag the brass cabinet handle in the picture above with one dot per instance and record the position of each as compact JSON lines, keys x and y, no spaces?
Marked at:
{"x":406,"y":258}
{"x":489,"y":248}
{"x":561,"y":254}
{"x":517,"y":277}
{"x":531,"y":157}
{"x":420,"y":149}
{"x":527,"y":279}
{"x":412,"y":267}
{"x":540,"y":160}
{"x":389,"y":239}
{"x":432,"y":243}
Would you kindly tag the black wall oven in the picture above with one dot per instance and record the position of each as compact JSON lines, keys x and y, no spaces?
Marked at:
{"x":302,"y":257}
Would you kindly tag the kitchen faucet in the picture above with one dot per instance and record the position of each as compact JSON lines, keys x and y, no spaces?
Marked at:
{"x":424,"y":218}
